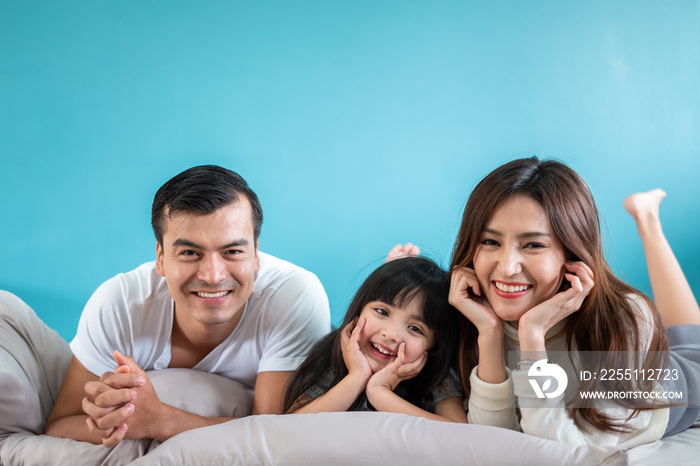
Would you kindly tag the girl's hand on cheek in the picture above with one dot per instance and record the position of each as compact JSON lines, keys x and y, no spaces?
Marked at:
{"x":397,"y":371}
{"x":465,"y":296}
{"x":355,"y":361}
{"x":544,"y":316}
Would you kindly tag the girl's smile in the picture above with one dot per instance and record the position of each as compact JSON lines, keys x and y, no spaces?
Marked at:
{"x":519,"y":261}
{"x":382,"y":351}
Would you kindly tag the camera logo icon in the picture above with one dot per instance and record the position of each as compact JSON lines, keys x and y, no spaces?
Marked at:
{"x":542,"y":370}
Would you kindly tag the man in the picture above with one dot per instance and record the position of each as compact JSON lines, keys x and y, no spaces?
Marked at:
{"x":211,"y":301}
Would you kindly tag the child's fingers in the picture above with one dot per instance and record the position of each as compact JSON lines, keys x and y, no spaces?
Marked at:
{"x":355,"y":336}
{"x":418,"y":363}
{"x":396,"y":364}
{"x":411,"y":369}
{"x":402,"y":353}
{"x":349,"y":329}
{"x":344,"y":339}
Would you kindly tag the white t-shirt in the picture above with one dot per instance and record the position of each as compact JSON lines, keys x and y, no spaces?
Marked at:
{"x":286,"y":314}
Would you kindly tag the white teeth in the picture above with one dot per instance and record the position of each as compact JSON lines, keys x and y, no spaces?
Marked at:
{"x":510,"y":288}
{"x":383,"y":351}
{"x":212,"y":295}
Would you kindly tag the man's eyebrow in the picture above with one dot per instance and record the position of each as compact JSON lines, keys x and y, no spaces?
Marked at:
{"x":529,"y":234}
{"x":191,"y":244}
{"x":187,"y":243}
{"x":235,"y":244}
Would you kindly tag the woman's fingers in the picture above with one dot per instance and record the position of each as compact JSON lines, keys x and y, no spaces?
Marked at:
{"x":583,"y":273}
{"x":565,"y":303}
{"x":580,"y":276}
{"x":461,"y":282}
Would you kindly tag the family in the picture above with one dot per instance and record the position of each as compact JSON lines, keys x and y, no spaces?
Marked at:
{"x":527,"y":277}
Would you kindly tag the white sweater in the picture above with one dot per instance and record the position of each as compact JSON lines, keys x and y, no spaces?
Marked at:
{"x":495,"y":404}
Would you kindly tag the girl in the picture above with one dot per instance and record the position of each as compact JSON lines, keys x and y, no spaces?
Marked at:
{"x":394,"y":351}
{"x":528,"y":273}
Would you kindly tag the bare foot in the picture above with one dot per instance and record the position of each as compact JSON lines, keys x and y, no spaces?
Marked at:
{"x":644,"y":207}
{"x":407,"y":250}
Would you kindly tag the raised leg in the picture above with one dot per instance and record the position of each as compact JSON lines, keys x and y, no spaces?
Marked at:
{"x":672,"y":294}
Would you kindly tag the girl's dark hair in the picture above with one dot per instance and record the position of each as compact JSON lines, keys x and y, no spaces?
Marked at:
{"x":202,"y":190}
{"x":607,"y":321}
{"x":397,"y":283}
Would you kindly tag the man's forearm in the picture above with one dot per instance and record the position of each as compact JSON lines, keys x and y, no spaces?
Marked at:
{"x":173,"y":422}
{"x":176,"y":421}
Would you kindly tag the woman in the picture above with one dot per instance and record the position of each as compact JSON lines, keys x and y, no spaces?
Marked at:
{"x":529,"y":274}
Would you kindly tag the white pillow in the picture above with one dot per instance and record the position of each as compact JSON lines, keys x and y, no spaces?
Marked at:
{"x":365,"y":438}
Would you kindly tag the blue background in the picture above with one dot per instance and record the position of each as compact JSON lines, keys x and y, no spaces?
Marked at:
{"x":360,"y":124}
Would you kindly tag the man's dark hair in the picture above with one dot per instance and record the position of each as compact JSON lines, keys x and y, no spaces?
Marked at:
{"x":202,"y":190}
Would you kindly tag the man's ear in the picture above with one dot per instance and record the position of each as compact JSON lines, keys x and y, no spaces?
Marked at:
{"x":159,"y":260}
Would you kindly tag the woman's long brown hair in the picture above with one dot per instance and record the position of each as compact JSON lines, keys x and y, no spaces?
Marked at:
{"x":607,"y":320}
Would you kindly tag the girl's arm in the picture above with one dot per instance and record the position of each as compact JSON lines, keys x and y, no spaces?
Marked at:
{"x":448,"y":410}
{"x":452,"y":409}
{"x":338,"y":398}
{"x":381,"y":386}
{"x":341,"y":396}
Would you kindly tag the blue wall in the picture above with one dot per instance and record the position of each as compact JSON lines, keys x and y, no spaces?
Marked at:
{"x":360,"y":124}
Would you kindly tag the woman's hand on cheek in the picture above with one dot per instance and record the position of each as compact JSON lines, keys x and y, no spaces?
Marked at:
{"x":471,"y":304}
{"x":397,"y":371}
{"x":354,"y":359}
{"x":544,"y":316}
